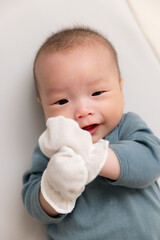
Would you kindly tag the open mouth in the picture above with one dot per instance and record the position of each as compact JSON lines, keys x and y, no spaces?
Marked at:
{"x":91,"y":128}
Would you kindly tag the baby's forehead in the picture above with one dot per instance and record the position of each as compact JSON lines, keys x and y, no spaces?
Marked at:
{"x":85,"y":53}
{"x":49,"y":64}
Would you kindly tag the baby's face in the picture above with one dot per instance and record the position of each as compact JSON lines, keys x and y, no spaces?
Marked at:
{"x":84,"y":85}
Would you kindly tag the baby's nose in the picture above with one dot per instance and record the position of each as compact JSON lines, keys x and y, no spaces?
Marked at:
{"x":83,"y":110}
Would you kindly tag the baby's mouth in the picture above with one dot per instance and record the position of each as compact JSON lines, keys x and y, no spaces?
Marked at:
{"x":91,"y":128}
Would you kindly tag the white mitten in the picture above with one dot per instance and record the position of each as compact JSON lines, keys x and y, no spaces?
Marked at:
{"x":64,"y":180}
{"x":97,"y":158}
{"x":63,"y":131}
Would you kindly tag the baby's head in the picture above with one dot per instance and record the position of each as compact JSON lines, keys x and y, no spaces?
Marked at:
{"x":77,"y":76}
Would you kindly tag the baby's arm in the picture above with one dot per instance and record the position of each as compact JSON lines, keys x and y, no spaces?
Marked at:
{"x":33,"y":200}
{"x":138,"y":154}
{"x":46,"y":206}
{"x":111,"y":168}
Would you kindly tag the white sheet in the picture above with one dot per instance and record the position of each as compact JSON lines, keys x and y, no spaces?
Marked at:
{"x":148,"y":18}
{"x":23,"y":26}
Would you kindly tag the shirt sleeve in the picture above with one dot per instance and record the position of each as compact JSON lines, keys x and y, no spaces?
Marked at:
{"x":31,"y":188}
{"x":138,"y":151}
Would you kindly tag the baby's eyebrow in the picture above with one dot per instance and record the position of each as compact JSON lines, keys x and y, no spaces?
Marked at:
{"x":96,"y":82}
{"x":53,"y":90}
{"x":56,"y":90}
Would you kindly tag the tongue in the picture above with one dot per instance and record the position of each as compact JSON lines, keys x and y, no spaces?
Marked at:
{"x":89,"y":127}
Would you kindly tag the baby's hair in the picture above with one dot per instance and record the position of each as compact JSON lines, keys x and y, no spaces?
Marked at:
{"x":70,"y":38}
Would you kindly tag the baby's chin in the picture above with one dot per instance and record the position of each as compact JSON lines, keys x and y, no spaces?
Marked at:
{"x":96,"y":139}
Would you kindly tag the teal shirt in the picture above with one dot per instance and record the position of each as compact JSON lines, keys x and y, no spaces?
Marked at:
{"x":126,"y":209}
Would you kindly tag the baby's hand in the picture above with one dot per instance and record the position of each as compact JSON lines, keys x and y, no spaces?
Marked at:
{"x":61,"y":132}
{"x":97,"y":158}
{"x":64,"y":180}
{"x":75,"y":161}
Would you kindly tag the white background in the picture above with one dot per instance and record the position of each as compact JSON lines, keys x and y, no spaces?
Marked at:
{"x":24,"y":25}
{"x":148,"y":18}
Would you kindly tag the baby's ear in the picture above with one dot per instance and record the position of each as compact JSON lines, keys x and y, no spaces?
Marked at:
{"x":39,"y":100}
{"x":121,"y":82}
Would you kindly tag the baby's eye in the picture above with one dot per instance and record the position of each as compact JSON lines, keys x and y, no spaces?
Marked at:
{"x":62,"y":102}
{"x":97,"y":93}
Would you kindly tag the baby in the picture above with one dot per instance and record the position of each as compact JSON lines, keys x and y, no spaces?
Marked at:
{"x":95,"y":169}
